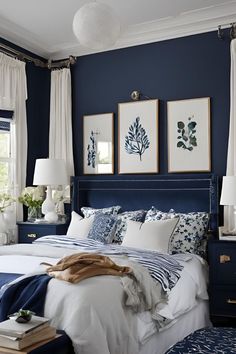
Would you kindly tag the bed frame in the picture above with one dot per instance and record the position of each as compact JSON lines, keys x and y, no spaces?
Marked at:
{"x":184,"y":193}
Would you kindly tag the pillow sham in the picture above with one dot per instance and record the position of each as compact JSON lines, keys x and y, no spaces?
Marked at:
{"x":103,"y":228}
{"x":152,"y":236}
{"x":135,"y":215}
{"x":154,"y":214}
{"x":79,"y":227}
{"x":190,"y":233}
{"x":88,"y":211}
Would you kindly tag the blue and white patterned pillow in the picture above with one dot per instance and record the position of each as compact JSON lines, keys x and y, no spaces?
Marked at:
{"x":190,"y":233}
{"x":154,"y":214}
{"x":135,"y":215}
{"x":103,"y":228}
{"x":88,"y":211}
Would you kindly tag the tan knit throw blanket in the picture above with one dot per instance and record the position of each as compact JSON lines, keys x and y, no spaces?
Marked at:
{"x":80,"y":266}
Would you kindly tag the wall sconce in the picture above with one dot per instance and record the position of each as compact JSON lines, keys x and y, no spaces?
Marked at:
{"x":136,"y":95}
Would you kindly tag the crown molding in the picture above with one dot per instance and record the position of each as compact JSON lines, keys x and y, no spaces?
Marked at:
{"x":22,"y":38}
{"x":187,"y":23}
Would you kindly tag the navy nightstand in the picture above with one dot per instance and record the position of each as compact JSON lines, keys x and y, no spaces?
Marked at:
{"x":28,"y":232}
{"x":222,"y":288}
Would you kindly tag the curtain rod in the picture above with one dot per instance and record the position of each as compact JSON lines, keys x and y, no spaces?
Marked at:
{"x":37,"y":62}
{"x":232,"y":32}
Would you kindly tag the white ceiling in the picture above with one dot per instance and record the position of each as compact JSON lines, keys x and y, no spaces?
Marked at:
{"x":45,"y":27}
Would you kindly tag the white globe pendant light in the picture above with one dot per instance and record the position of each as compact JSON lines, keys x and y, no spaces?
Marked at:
{"x":96,"y":26}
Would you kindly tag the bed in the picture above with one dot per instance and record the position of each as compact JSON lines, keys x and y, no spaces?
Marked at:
{"x":95,"y":312}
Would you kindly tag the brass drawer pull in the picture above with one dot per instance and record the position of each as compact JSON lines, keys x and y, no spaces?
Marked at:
{"x":224,"y":258}
{"x":229,"y":301}
{"x":32,"y":235}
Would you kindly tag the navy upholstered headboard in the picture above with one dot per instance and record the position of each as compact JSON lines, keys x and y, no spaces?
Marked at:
{"x":184,"y":193}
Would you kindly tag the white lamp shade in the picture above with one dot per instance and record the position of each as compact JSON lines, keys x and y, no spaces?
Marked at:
{"x":228,"y":192}
{"x":50,"y":172}
{"x":96,"y":26}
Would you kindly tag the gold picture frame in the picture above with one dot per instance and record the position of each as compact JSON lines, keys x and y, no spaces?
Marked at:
{"x":98,"y":144}
{"x":138,"y":137}
{"x":189,"y":135}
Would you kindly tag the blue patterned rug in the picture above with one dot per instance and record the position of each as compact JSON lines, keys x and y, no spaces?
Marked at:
{"x":215,"y":340}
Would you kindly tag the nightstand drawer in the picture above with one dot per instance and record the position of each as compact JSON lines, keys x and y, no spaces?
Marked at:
{"x":223,"y":301}
{"x":223,"y":264}
{"x":225,"y":274}
{"x":29,"y":232}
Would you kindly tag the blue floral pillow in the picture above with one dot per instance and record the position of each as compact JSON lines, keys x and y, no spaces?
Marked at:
{"x":103,"y":228}
{"x":88,"y":211}
{"x":136,"y":215}
{"x":190,"y":233}
{"x":154,"y":214}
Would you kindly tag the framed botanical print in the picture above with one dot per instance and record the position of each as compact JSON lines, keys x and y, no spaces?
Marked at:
{"x":98,"y":144}
{"x":189,"y":139}
{"x":138,"y":137}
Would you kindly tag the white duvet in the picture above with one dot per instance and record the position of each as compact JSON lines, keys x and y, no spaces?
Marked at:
{"x":93,"y":312}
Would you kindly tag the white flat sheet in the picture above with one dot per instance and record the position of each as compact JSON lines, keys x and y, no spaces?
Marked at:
{"x":23,"y":264}
{"x":197,"y":317}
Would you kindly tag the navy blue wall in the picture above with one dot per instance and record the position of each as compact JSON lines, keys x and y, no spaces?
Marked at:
{"x":194,"y":66}
{"x":37,"y":106}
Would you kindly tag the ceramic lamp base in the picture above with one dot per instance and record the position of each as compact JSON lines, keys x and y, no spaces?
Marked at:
{"x":51,"y":217}
{"x":48,"y":207}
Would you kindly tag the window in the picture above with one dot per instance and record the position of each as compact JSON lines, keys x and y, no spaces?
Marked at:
{"x":6,"y":176}
{"x":104,"y":156}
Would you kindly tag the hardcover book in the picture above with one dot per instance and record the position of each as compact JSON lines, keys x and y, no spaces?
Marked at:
{"x":20,"y":330}
{"x":20,"y":343}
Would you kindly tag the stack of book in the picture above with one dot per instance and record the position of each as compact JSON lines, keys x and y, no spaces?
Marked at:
{"x":17,"y":336}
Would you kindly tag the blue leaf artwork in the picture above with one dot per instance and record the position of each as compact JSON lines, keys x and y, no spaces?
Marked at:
{"x":91,"y":149}
{"x":136,"y":142}
{"x":187,"y":139}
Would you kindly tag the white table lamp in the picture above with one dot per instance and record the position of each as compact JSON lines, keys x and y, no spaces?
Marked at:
{"x":228,"y":195}
{"x":49,"y":172}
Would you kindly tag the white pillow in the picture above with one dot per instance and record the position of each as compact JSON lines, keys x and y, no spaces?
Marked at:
{"x":152,"y":235}
{"x":79,"y":227}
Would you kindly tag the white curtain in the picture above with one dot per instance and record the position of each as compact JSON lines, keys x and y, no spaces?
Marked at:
{"x":231,"y":158}
{"x":60,"y":133}
{"x":13,"y":96}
